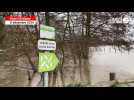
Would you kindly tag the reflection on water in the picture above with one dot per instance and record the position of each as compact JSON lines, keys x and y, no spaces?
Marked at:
{"x":9,"y":75}
{"x":106,"y":59}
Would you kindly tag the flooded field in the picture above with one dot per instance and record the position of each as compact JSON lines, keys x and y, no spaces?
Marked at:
{"x":102,"y":61}
{"x":106,"y":59}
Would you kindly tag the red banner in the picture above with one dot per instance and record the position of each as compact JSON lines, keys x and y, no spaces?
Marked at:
{"x":17,"y":18}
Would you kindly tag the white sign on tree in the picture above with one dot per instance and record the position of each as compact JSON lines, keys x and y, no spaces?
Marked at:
{"x":46,"y":45}
{"x":47,"y":32}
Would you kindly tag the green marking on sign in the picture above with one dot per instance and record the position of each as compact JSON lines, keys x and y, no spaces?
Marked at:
{"x":47,"y":28}
{"x":47,"y":61}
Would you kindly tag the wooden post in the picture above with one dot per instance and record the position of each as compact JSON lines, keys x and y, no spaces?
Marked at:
{"x":112,"y":76}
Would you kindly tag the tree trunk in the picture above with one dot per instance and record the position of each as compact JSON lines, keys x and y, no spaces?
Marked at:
{"x":88,"y":21}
